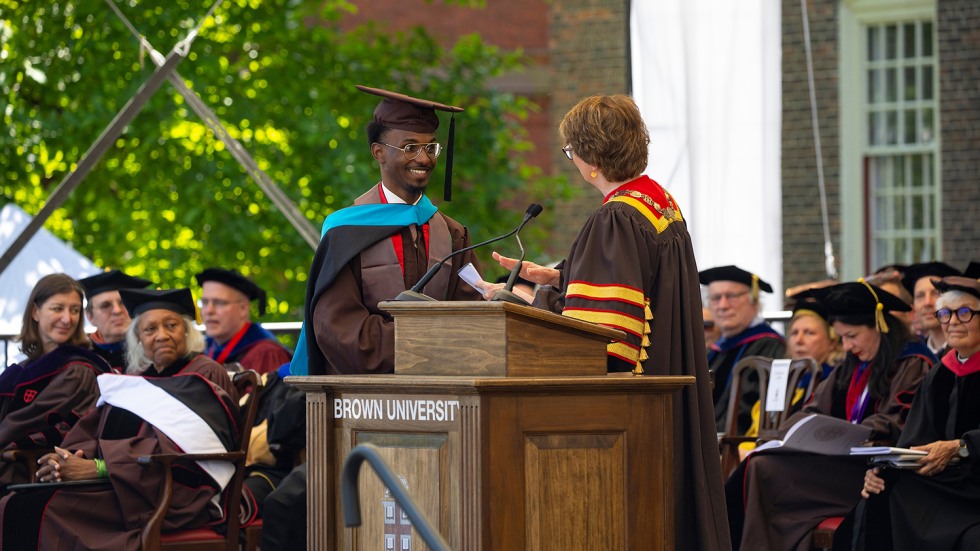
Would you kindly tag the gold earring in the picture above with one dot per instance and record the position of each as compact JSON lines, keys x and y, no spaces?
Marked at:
{"x":594,"y":174}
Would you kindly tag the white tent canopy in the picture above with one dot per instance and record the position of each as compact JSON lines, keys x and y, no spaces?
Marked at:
{"x":706,"y":75}
{"x":44,"y":254}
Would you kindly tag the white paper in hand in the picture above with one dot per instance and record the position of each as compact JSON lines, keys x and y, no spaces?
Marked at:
{"x":469,"y":274}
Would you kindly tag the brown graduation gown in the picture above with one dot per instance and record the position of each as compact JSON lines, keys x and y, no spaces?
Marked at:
{"x":354,"y":334}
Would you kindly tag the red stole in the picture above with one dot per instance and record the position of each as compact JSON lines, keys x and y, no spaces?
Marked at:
{"x":396,"y":239}
{"x":970,"y":366}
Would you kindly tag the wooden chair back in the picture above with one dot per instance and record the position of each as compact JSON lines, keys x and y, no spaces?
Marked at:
{"x":248,"y":384}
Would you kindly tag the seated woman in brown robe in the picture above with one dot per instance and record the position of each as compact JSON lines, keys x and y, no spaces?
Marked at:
{"x":936,"y":506}
{"x":42,"y":397}
{"x":775,"y":500}
{"x":184,"y":403}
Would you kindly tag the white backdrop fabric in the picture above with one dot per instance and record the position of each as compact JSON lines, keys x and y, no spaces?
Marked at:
{"x":706,"y":76}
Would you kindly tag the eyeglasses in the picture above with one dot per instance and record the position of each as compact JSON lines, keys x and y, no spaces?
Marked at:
{"x":709,"y":325}
{"x":732,"y":297}
{"x":567,"y":150}
{"x":216,"y":302}
{"x":964,"y":314}
{"x":413,"y":150}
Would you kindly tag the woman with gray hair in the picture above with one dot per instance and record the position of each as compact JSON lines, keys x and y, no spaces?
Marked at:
{"x":936,"y":505}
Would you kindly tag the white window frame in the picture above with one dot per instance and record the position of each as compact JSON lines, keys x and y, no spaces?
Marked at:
{"x":854,"y":18}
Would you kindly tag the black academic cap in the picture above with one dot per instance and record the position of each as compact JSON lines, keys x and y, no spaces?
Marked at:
{"x":113,"y":280}
{"x":403,"y":112}
{"x":860,"y":300}
{"x":234,"y":280}
{"x":973,"y":270}
{"x":958,"y":283}
{"x":808,"y":301}
{"x":736,"y":274}
{"x":915,"y":272}
{"x":138,"y":301}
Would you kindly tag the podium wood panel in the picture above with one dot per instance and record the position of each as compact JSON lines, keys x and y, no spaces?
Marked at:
{"x":515,"y":463}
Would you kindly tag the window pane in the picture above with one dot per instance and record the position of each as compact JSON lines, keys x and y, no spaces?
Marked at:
{"x":927,"y":39}
{"x":891,"y":127}
{"x":915,"y":176}
{"x":927,"y":82}
{"x":891,"y":41}
{"x":874,"y":86}
{"x":883,"y":213}
{"x":874,"y":47}
{"x":918,"y":212}
{"x":909,"y":84}
{"x":910,"y":128}
{"x":891,"y":85}
{"x":926,"y":133}
{"x":900,"y":218}
{"x":908,"y":36}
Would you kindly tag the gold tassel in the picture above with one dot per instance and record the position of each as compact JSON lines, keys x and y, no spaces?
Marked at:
{"x":646,"y":310}
{"x":880,"y":324}
{"x":755,"y":288}
{"x":638,"y":370}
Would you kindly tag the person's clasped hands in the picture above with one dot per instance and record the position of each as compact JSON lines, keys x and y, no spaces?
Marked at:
{"x":62,"y":465}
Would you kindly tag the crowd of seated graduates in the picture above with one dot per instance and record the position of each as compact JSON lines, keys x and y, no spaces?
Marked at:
{"x":899,"y":355}
{"x":76,"y":408}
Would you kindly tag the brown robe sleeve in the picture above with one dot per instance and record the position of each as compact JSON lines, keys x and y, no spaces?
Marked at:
{"x":70,"y":395}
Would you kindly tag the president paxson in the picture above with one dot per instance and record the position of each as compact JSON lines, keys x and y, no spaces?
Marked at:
{"x":381,"y":246}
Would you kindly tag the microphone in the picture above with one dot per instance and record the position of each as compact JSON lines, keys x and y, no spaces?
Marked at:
{"x":415,"y":293}
{"x":507,"y":294}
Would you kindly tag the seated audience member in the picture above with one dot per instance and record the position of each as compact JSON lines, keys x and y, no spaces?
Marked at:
{"x":105,"y":310}
{"x":889,"y":278}
{"x":42,"y":397}
{"x":226,"y":296}
{"x":775,"y":500}
{"x":733,"y":298}
{"x":936,"y":506}
{"x":809,"y":336}
{"x":917,"y":280}
{"x":187,"y":403}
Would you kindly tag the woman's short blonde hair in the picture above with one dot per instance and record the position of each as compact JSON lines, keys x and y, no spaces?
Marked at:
{"x":136,"y":359}
{"x":608,"y":132}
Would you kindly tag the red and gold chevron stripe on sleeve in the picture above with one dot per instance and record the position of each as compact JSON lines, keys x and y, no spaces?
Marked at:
{"x":609,"y":318}
{"x":592,"y":291}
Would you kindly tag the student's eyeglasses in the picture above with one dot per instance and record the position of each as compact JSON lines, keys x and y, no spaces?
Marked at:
{"x":413,"y":150}
{"x":964,"y":314}
{"x":567,"y":150}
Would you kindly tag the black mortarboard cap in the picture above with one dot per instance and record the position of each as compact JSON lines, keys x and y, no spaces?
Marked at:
{"x":861,"y":300}
{"x":237,"y":281}
{"x":973,"y":270}
{"x":113,"y":280}
{"x":916,"y":272}
{"x":958,"y":283}
{"x":403,"y":112}
{"x":138,"y":301}
{"x":736,"y":274}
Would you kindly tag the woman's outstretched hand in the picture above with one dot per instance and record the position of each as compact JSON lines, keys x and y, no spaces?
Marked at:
{"x":535,"y":273}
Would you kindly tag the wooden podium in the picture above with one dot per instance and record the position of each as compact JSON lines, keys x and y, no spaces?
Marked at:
{"x":518,"y":441}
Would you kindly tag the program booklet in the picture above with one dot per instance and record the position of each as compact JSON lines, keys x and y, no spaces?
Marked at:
{"x":899,"y":458}
{"x":819,"y":434}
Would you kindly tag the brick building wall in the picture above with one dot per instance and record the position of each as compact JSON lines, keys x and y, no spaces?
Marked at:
{"x":959,"y":87}
{"x":803,"y":237}
{"x":589,"y":52}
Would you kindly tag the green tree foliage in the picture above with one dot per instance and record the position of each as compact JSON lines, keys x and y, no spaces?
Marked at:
{"x":168,"y":200}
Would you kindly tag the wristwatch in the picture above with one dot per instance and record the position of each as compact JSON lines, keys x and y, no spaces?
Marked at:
{"x":963,"y":452}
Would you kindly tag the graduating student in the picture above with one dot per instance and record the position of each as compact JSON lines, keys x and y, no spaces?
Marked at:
{"x":105,"y":310}
{"x":232,"y":336}
{"x":382,"y":245}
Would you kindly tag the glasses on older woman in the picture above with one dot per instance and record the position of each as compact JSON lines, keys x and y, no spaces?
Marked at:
{"x":567,"y":150}
{"x":964,"y":314}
